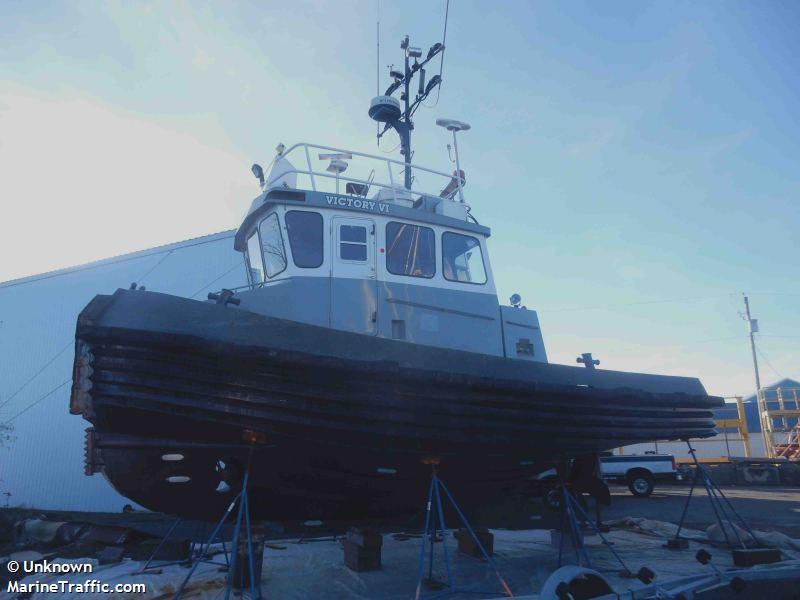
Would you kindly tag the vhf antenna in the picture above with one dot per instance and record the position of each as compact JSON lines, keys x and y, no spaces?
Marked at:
{"x":386,"y":109}
{"x":378,"y":68}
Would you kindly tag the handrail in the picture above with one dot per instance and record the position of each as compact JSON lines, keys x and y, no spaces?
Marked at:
{"x":313,"y":174}
{"x":354,"y":180}
{"x":375,"y":156}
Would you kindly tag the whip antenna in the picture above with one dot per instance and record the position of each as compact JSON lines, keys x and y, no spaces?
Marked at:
{"x":378,"y":69}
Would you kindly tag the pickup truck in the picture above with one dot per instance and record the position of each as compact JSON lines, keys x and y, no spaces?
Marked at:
{"x":639,"y":471}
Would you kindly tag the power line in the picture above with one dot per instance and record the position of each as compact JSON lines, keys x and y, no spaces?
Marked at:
{"x":774,"y":293}
{"x":37,"y":401}
{"x":155,"y":266}
{"x":641,"y":303}
{"x":769,"y":364}
{"x":35,"y":375}
{"x":697,"y":343}
{"x":209,"y":284}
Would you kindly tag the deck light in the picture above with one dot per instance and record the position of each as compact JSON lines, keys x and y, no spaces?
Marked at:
{"x":435,"y":49}
{"x":435,"y":80}
{"x":414,"y":52}
{"x":258,"y":172}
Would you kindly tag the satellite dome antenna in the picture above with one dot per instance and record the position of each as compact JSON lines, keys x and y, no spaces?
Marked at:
{"x":394,"y":115}
{"x":455,"y":127}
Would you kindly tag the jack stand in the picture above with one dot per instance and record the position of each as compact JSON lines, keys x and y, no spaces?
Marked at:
{"x":723,"y":510}
{"x":152,"y":558}
{"x":434,"y":512}
{"x":242,"y":515}
{"x":570,"y":509}
{"x":737,"y":584}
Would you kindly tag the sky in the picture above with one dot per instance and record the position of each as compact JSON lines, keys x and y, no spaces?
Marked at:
{"x":637,"y":161}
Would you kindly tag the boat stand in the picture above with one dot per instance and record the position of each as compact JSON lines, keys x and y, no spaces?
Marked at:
{"x":723,"y":510}
{"x":242,"y":518}
{"x":570,"y":511}
{"x":435,"y":525}
{"x":149,"y":567}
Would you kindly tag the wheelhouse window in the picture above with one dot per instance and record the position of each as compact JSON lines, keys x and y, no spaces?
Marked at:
{"x":353,"y":243}
{"x":410,"y":250}
{"x":305,"y":238}
{"x":272,"y":246}
{"x":254,"y":262}
{"x":462,"y":258}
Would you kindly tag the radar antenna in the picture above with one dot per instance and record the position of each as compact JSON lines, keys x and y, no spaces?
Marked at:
{"x":386,"y":109}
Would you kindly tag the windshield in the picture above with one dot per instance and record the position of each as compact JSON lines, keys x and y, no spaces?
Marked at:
{"x":254,"y":258}
{"x":272,"y":245}
{"x":305,"y":238}
{"x":462,"y":259}
{"x":410,"y":250}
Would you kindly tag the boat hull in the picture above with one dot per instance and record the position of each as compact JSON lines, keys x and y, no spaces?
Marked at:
{"x":335,"y":425}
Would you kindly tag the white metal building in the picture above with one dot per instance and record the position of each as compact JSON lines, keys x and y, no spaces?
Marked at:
{"x":42,"y":466}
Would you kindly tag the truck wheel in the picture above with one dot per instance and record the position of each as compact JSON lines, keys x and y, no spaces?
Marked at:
{"x":640,"y":483}
{"x":552,"y":498}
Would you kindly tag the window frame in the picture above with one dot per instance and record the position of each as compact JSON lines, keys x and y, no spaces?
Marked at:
{"x":322,"y":237}
{"x":386,"y":260}
{"x":248,"y":260}
{"x":339,"y":243}
{"x":283,"y":245}
{"x":483,"y":261}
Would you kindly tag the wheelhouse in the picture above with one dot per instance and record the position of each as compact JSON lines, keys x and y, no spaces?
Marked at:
{"x":377,"y":260}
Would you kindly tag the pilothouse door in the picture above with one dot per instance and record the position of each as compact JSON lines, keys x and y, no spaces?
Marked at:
{"x":354,"y":289}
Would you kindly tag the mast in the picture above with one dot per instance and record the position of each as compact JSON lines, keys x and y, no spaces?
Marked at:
{"x":386,"y":109}
{"x":405,"y":132}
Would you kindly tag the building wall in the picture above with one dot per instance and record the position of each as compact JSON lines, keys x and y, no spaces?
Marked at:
{"x":725,"y":443}
{"x":712,"y":448}
{"x":42,"y":467}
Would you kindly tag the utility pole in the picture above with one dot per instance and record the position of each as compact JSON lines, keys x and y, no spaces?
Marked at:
{"x":753,"y":328}
{"x":761,"y":403}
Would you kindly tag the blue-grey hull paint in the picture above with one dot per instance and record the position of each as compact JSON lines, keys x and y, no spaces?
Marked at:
{"x":427,"y":316}
{"x":445,"y":318}
{"x":302,"y":299}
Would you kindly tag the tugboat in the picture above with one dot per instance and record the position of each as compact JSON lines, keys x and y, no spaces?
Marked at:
{"x":368,"y":343}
